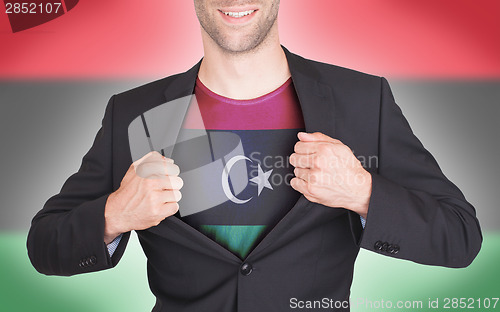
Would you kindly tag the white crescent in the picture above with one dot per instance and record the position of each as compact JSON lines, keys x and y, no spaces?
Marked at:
{"x":225,"y":179}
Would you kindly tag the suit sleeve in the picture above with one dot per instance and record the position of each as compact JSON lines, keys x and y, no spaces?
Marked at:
{"x":415,"y":212}
{"x":66,"y":237}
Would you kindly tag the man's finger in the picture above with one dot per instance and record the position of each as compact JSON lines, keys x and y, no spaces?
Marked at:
{"x":302,"y":161}
{"x":146,"y":156}
{"x":301,"y":186}
{"x":171,"y":196}
{"x":157,"y":169}
{"x":302,"y":173}
{"x":157,"y":157}
{"x":312,"y":147}
{"x":171,"y":183}
{"x":303,"y":147}
{"x":316,"y":137}
{"x":152,"y":156}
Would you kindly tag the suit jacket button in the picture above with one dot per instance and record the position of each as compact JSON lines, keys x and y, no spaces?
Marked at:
{"x":93,"y":260}
{"x":390,"y":249}
{"x":396,"y":249}
{"x":246,"y":269}
{"x":378,"y":245}
{"x":384,"y":246}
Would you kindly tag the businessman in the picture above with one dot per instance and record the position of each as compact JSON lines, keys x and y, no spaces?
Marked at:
{"x":225,"y":223}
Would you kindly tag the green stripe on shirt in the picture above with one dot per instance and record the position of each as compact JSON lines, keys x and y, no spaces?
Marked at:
{"x":237,"y":238}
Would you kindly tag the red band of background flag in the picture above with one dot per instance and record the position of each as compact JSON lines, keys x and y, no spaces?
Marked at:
{"x":151,"y":39}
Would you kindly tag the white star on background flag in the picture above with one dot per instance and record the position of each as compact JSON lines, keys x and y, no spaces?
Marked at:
{"x":262,"y":179}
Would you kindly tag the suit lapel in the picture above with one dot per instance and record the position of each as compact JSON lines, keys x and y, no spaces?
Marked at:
{"x":179,"y":94}
{"x":317,"y":104}
{"x":316,"y":98}
{"x":182,"y":84}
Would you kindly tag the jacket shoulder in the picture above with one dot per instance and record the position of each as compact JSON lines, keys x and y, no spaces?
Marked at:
{"x":152,"y":90}
{"x":131,"y":103}
{"x":340,"y":75}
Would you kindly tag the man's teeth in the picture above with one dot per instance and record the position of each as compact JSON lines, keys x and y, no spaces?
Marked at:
{"x":239,"y":14}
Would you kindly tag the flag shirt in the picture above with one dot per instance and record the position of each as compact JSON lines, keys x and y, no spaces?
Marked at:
{"x":233,"y":156}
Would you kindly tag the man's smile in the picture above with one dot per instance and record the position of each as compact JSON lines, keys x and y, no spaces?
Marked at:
{"x":237,"y":15}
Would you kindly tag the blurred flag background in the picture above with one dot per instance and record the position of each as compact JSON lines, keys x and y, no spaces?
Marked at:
{"x":441,"y":57}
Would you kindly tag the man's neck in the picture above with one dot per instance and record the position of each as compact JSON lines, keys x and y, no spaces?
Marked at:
{"x":244,"y":76}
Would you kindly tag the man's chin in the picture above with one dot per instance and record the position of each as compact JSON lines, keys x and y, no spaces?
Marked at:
{"x":239,"y":47}
{"x":236,"y":51}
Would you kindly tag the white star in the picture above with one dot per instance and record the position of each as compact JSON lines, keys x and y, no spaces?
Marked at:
{"x":262,"y":179}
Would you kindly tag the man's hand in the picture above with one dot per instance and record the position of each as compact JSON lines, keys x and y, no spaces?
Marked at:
{"x":327,"y":172}
{"x":148,"y":193}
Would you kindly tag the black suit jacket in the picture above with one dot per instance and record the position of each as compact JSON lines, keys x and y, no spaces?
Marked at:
{"x":415,"y":212}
